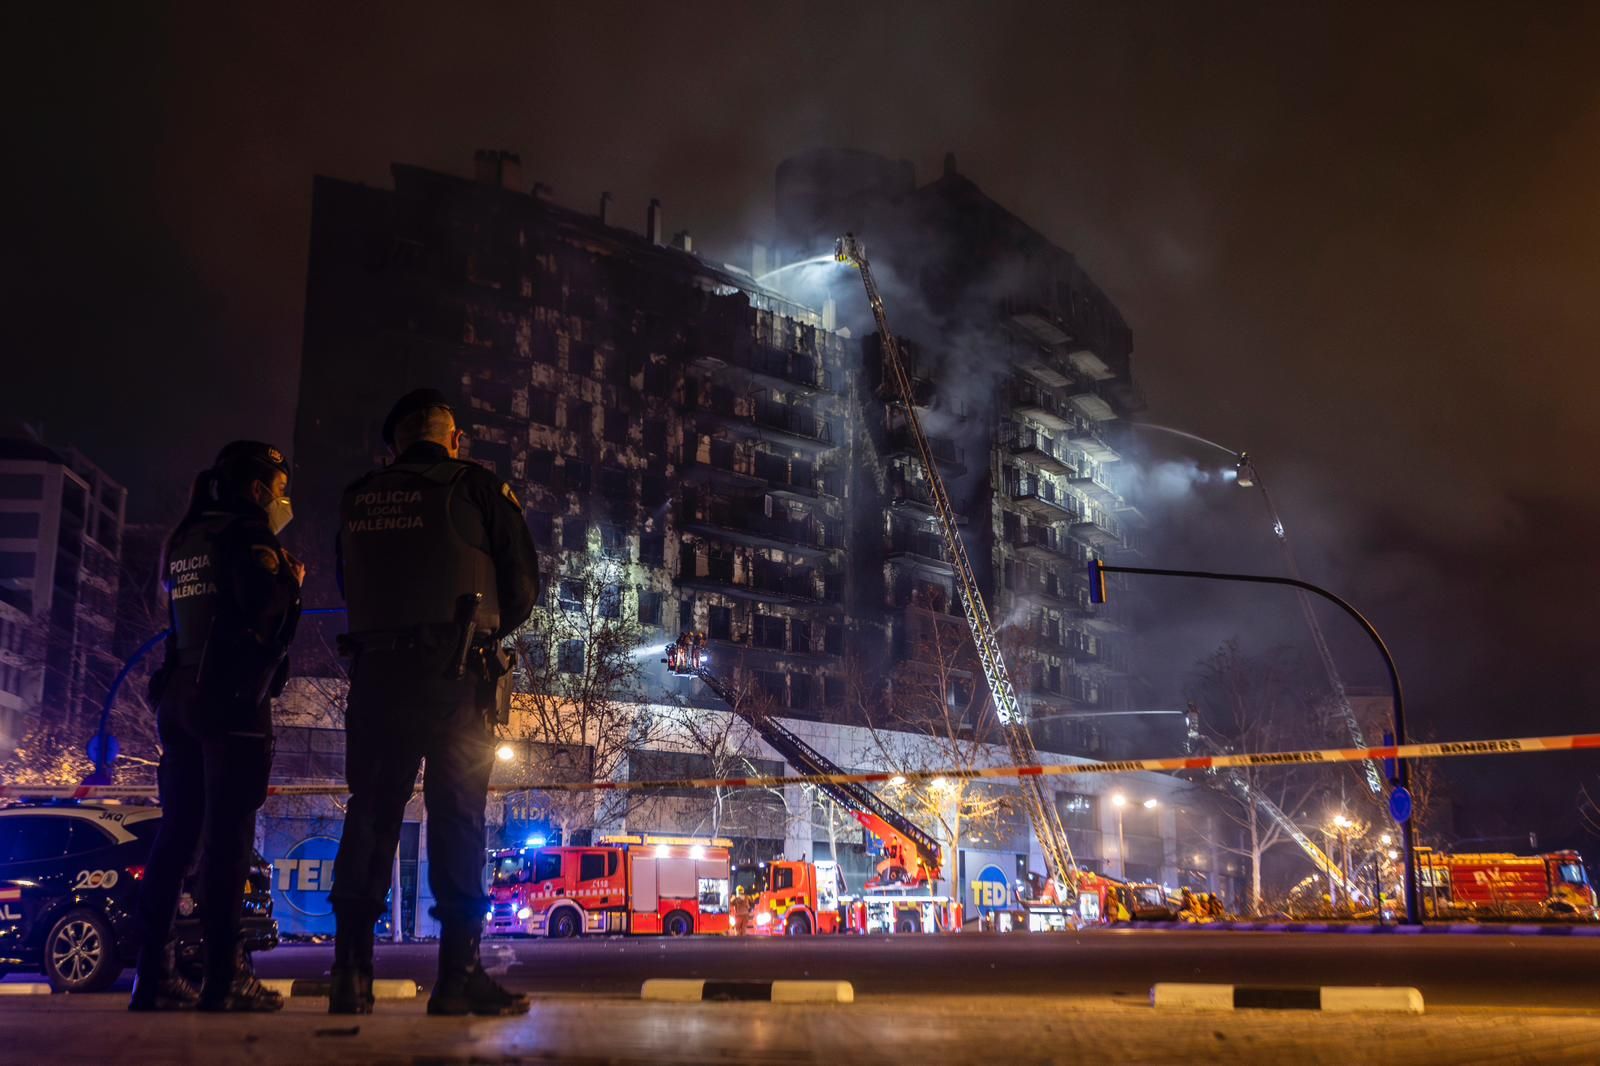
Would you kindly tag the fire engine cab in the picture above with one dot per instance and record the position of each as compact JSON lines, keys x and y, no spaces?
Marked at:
{"x":671,"y":886}
{"x":798,"y":898}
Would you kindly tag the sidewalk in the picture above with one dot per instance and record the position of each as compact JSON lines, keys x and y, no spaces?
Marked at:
{"x":589,"y":1031}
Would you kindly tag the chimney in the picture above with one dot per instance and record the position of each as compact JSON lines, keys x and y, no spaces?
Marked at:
{"x":605,"y":209}
{"x":758,"y":259}
{"x":652,"y":222}
{"x":830,"y":314}
{"x":511,"y":171}
{"x":496,"y":166}
{"x":682,"y":241}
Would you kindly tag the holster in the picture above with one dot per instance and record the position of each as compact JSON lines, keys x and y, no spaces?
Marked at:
{"x":497,"y":670}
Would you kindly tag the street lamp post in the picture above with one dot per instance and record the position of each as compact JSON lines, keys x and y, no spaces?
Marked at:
{"x":1119,"y":801}
{"x":1402,"y":772}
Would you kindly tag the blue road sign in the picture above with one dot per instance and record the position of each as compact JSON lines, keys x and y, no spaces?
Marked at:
{"x":112,"y":749}
{"x":1400,"y":805}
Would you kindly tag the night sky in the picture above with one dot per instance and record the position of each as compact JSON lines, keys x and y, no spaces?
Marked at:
{"x":1363,"y":242}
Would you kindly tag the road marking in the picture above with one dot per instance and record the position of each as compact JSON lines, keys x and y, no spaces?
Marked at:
{"x":685,"y":990}
{"x":1329,"y":998}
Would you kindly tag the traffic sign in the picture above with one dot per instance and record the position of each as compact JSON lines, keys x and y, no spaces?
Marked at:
{"x":92,"y":749}
{"x":1400,"y":805}
{"x":1097,"y":581}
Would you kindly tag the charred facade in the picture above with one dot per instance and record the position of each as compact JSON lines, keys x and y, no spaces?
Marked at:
{"x":660,"y":416}
{"x":1022,"y":380}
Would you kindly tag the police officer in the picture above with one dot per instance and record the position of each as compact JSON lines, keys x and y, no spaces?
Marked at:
{"x":234,"y":601}
{"x":436,"y":565}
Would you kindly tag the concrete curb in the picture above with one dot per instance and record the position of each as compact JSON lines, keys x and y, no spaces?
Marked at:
{"x":24,"y":988}
{"x":300,"y":988}
{"x":676,"y":990}
{"x":1327,"y":998}
{"x":1369,"y":928}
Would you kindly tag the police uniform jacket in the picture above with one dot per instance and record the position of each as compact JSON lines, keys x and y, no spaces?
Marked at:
{"x":234,"y":605}
{"x":414,"y":537}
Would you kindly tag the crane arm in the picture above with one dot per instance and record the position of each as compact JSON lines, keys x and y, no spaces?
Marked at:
{"x":913,"y":855}
{"x":1042,"y":813}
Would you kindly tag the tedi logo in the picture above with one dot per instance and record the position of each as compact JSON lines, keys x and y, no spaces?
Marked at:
{"x":304,"y":875}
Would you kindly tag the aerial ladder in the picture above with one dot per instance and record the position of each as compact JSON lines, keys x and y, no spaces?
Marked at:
{"x":912,"y":857}
{"x":1047,"y":825}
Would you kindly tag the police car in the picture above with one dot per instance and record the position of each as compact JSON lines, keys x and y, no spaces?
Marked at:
{"x":69,"y":879}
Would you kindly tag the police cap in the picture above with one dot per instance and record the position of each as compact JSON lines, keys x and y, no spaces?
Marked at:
{"x":250,"y":460}
{"x":412,"y":402}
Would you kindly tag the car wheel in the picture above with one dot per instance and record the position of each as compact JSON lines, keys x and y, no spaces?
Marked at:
{"x":564,"y":924}
{"x":677,"y":924}
{"x":80,"y":953}
{"x":799,"y":925}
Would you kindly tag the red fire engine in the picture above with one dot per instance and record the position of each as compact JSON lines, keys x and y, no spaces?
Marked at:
{"x":648,"y":885}
{"x":1553,"y":885}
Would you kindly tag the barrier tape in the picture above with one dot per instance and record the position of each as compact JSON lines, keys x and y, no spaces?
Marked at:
{"x":1323,"y":757}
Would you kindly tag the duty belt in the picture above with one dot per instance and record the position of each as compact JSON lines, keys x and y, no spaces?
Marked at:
{"x":398,"y":639}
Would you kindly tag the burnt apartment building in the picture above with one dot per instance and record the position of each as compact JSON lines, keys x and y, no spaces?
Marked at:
{"x":1022,"y":375}
{"x":661,"y":416}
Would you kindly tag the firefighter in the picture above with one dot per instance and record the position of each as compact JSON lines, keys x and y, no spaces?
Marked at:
{"x":740,"y":910}
{"x":437,"y":566}
{"x":234,"y":601}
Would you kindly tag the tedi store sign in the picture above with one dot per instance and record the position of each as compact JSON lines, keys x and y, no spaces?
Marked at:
{"x":303,"y":876}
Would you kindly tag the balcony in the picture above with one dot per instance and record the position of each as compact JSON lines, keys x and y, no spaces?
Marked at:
{"x":1038,"y":322}
{"x":1095,"y":488}
{"x":1039,"y":450}
{"x":1039,"y":499}
{"x":794,"y":424}
{"x":1041,"y":548}
{"x":1041,"y":407}
{"x":922,"y":549}
{"x":751,"y":528}
{"x":1090,"y":365}
{"x":775,"y":367}
{"x":796,"y":587}
{"x":1090,"y":443}
{"x":1105,"y":618}
{"x":945,"y":451}
{"x":1095,"y":535}
{"x":1087,"y":400}
{"x":717,"y":473}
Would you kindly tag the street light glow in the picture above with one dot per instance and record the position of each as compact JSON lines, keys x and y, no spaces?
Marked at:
{"x":1119,"y":800}
{"x":505,"y":753}
{"x":1151,"y":804}
{"x":897,"y":780}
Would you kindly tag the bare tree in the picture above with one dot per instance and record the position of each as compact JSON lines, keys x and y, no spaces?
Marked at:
{"x":581,"y":700}
{"x":934,"y":713}
{"x":1249,"y":703}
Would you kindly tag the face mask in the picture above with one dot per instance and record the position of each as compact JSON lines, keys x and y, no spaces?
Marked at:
{"x":280,"y":512}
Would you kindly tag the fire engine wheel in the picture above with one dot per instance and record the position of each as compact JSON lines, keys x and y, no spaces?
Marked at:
{"x":564,"y":924}
{"x":799,"y":925}
{"x":907,"y":924}
{"x":677,"y":924}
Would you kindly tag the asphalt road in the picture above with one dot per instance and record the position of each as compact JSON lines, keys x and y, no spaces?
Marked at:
{"x":1477,"y":971}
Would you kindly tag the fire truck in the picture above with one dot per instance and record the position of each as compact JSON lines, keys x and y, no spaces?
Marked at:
{"x":1551,"y":886}
{"x":799,"y":898}
{"x":671,"y":886}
